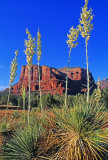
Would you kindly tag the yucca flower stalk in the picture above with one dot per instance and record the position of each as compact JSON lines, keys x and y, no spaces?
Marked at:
{"x":23,"y":92}
{"x":39,"y":52}
{"x":13,"y":68}
{"x":85,"y":27}
{"x":72,"y":38}
{"x":98,"y":93}
{"x":30,"y":51}
{"x":98,"y":90}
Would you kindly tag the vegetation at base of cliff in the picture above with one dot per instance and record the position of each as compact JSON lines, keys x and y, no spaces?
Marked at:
{"x":50,"y":101}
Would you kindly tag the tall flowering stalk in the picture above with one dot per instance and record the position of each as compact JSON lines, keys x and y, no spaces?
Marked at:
{"x":98,"y":92}
{"x":13,"y":68}
{"x":30,"y":51}
{"x":23,"y":93}
{"x":72,"y":38}
{"x":85,"y":27}
{"x":39,"y":52}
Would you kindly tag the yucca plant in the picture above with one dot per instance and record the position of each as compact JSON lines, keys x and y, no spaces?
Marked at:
{"x":30,"y":51}
{"x":79,"y":134}
{"x":5,"y":128}
{"x":39,"y":52}
{"x":72,"y":38}
{"x":12,"y":77}
{"x":85,"y":28}
{"x":23,"y":144}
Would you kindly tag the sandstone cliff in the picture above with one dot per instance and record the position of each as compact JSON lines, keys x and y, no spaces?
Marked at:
{"x":53,"y":80}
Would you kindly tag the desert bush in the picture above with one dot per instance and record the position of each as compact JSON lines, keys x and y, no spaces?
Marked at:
{"x":34,"y":101}
{"x":15,"y":114}
{"x":20,"y":101}
{"x":47,"y":101}
{"x":13,"y":100}
{"x":4,"y":99}
{"x":104,"y":97}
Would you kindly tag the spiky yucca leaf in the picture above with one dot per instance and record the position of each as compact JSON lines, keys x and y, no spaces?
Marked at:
{"x":23,"y":144}
{"x":79,"y":134}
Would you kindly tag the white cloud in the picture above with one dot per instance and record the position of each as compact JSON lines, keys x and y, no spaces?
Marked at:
{"x":3,"y":87}
{"x":1,"y":66}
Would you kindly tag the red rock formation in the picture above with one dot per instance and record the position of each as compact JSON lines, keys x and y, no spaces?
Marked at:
{"x":53,"y":80}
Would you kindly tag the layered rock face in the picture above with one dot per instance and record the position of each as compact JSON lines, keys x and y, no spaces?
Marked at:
{"x":53,"y":80}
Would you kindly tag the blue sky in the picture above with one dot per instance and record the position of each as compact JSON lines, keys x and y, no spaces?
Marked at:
{"x":54,"y":18}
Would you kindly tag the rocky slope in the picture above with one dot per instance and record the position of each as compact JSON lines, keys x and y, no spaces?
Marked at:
{"x":104,"y":83}
{"x":53,"y":80}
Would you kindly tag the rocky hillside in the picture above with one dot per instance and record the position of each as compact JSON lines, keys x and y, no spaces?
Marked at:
{"x":53,"y":80}
{"x":104,"y":83}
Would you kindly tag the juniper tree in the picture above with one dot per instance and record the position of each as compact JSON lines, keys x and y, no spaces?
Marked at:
{"x":39,"y":52}
{"x":85,"y":28}
{"x":72,"y":38}
{"x":30,"y":51}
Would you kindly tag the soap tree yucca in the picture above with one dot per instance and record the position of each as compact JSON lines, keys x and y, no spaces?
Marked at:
{"x":39,"y":52}
{"x":85,"y":28}
{"x":24,"y":143}
{"x":79,"y":134}
{"x":72,"y":38}
{"x":12,"y":76}
{"x":30,"y":51}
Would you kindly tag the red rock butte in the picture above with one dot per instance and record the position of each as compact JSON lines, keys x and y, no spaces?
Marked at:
{"x":53,"y":80}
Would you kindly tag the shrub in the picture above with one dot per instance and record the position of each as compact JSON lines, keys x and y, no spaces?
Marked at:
{"x":15,"y":114}
{"x":4,"y":99}
{"x":20,"y":101}
{"x":104,"y":97}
